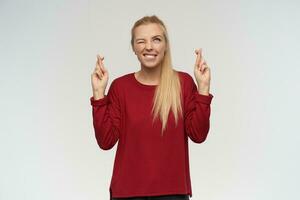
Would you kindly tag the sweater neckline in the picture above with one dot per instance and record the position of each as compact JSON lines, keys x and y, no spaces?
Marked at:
{"x":142,"y":84}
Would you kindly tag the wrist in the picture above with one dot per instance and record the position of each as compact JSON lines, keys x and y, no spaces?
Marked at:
{"x":204,"y":90}
{"x":98,"y":95}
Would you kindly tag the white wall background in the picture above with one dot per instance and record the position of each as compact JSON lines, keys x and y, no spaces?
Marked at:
{"x":48,"y":51}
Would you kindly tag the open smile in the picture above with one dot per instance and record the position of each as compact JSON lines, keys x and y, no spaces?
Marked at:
{"x":149,"y":56}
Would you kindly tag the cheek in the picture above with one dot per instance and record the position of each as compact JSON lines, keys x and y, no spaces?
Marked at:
{"x":161,"y":48}
{"x":162,"y":51}
{"x":138,"y":48}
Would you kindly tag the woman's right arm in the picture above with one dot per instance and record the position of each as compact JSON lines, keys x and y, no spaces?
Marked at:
{"x":106,"y":109}
{"x":107,"y":118}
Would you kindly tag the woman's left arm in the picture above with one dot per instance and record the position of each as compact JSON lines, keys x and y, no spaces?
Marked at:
{"x":198,"y":101}
{"x":197,"y":112}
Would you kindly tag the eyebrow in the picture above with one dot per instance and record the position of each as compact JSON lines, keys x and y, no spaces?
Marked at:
{"x":152,"y":37}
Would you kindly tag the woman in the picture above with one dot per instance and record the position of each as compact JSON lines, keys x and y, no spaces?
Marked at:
{"x":151,"y":113}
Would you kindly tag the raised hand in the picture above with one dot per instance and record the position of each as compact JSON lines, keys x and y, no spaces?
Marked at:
{"x":99,"y":78}
{"x":202,"y":73}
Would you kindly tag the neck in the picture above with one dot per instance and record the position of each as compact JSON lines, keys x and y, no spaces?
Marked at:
{"x":149,"y":75}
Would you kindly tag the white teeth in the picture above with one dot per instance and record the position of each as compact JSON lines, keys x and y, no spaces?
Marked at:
{"x":150,"y":56}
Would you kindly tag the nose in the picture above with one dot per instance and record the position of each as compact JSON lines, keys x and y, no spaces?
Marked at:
{"x":148,"y":46}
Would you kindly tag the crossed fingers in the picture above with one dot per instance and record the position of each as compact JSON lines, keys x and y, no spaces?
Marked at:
{"x":200,"y":63}
{"x":99,"y":69}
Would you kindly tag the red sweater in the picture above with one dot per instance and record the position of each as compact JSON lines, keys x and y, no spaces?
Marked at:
{"x":146,"y":163}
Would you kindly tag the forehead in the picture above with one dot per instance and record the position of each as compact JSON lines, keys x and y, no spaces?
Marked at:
{"x":148,"y":30}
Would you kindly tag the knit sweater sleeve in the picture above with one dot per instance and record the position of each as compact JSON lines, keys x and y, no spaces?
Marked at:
{"x":107,"y":118}
{"x":197,"y":112}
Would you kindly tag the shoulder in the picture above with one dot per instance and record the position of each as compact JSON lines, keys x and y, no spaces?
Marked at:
{"x":121,"y":79}
{"x":185,"y":78}
{"x":119,"y":82}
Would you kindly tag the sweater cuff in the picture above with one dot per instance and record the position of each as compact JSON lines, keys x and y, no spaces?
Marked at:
{"x":206,"y":99}
{"x":98,"y":102}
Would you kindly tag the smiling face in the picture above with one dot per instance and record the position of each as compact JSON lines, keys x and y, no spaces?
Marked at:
{"x":149,"y":45}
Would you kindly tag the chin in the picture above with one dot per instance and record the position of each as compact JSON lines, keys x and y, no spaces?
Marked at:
{"x":150,"y":66}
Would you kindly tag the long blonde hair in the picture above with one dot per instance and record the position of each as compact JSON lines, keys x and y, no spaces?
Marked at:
{"x":168,"y":93}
